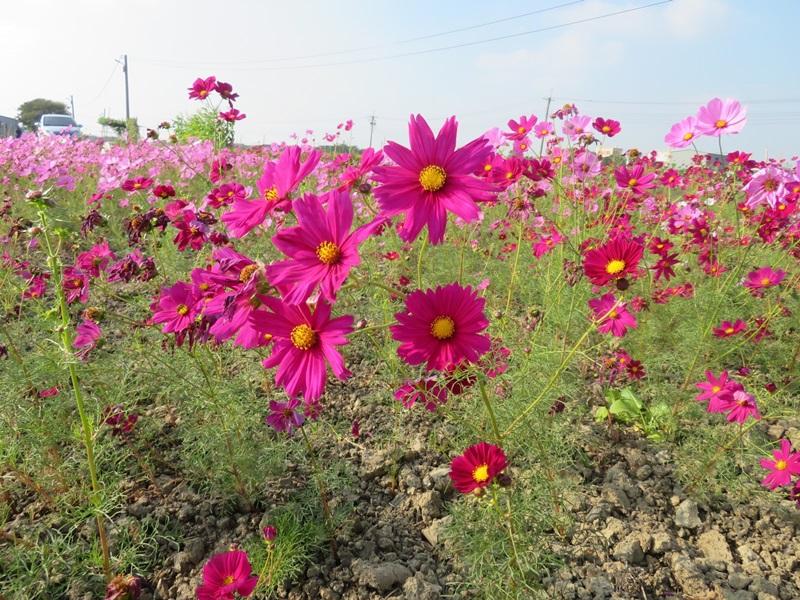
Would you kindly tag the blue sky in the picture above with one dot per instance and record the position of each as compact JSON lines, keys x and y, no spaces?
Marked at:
{"x":647,"y":68}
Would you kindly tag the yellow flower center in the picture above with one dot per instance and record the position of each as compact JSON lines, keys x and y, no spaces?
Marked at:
{"x":432,"y":178}
{"x":487,"y":168}
{"x":228,"y":580}
{"x":721,"y":123}
{"x":443,"y":328}
{"x":729,"y":330}
{"x":606,"y":128}
{"x":613,"y":314}
{"x":716,"y":389}
{"x":481,"y":473}
{"x":247,"y":272}
{"x":182,"y":309}
{"x":303,"y":337}
{"x":687,"y":136}
{"x":136,"y":186}
{"x":780,"y":465}
{"x":203,"y":94}
{"x":615,"y":266}
{"x":632,"y":182}
{"x":271,"y":194}
{"x":328,"y":253}
{"x":765,"y":281}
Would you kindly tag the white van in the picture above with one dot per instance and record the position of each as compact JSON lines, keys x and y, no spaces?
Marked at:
{"x":58,"y":125}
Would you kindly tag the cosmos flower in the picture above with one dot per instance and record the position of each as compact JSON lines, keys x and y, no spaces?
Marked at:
{"x":201,"y":88}
{"x":721,"y":117}
{"x":426,"y":391}
{"x":285,"y":416}
{"x":86,"y":336}
{"x":175,"y":307}
{"x":442,"y":327}
{"x":634,"y":179}
{"x":520,"y":129}
{"x":760,"y":279}
{"x":302,"y":343}
{"x":226,"y":574}
{"x":477,"y":467}
{"x":431,"y":179}
{"x":96,"y":259}
{"x":277,"y":182}
{"x":742,"y":406}
{"x":683,"y":133}
{"x":321,"y":249}
{"x":782,"y":468}
{"x":75,"y":284}
{"x":727,"y":329}
{"x":232,"y":115}
{"x":137,"y":184}
{"x":576,"y":126}
{"x":611,"y":315}
{"x":613,"y":260}
{"x":767,"y":185}
{"x":543,"y":129}
{"x":608,"y":127}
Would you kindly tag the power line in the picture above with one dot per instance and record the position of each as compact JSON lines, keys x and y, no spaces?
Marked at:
{"x":105,"y":85}
{"x":676,"y":102}
{"x":454,"y":46}
{"x":178,"y":63}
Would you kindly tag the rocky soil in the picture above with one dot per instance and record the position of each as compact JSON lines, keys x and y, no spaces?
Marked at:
{"x":636,"y":532}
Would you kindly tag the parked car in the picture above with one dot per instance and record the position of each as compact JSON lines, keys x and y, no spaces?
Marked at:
{"x":58,"y":125}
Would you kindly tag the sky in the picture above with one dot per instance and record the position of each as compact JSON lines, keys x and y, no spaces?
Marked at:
{"x":312,"y":64}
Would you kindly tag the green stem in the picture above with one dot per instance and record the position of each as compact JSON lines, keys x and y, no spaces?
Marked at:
{"x":323,"y":492}
{"x":419,"y":261}
{"x":86,"y":426}
{"x":514,"y":268}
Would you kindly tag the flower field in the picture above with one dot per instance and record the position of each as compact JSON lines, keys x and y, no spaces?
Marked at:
{"x":506,"y":367}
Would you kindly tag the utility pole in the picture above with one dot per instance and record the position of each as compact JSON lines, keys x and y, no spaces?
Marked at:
{"x":371,"y":128}
{"x":546,"y":116}
{"x":72,"y":104}
{"x":127,"y":96}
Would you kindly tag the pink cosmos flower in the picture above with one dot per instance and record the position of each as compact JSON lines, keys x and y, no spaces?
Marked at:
{"x":226,"y":91}
{"x":727,"y":329}
{"x":608,"y":127}
{"x":431,"y":179}
{"x":321,"y":249}
{"x":721,"y":116}
{"x":232,"y":115}
{"x":576,"y":126}
{"x":201,"y":88}
{"x":760,"y":279}
{"x":303,"y":342}
{"x":95,"y":260}
{"x":742,"y":406}
{"x":782,"y":468}
{"x":543,"y":129}
{"x":441,"y":327}
{"x":520,"y":129}
{"x":634,"y":178}
{"x":163,"y":191}
{"x":477,"y":467}
{"x":767,"y":186}
{"x":285,"y":416}
{"x":683,"y":133}
{"x":87,"y":334}
{"x":227,"y":574}
{"x":75,"y":284}
{"x":175,"y":307}
{"x":612,"y":315}
{"x":426,"y":391}
{"x":716,"y":391}
{"x":613,"y":260}
{"x":277,"y":182}
{"x":139,"y":183}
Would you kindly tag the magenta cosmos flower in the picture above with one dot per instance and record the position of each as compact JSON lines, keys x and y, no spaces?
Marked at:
{"x":613,"y":260}
{"x":760,"y":279}
{"x":717,"y":391}
{"x":767,"y":185}
{"x":201,"y":88}
{"x":634,"y":179}
{"x":520,"y":129}
{"x":611,"y":315}
{"x":285,"y":416}
{"x":608,"y":127}
{"x":785,"y":465}
{"x":683,"y":133}
{"x":742,"y":406}
{"x":321,"y":249}
{"x":727,"y":329}
{"x":442,"y":327}
{"x":175,"y":307}
{"x":721,"y":116}
{"x":302,"y":343}
{"x":431,"y":179}
{"x":477,"y":467}
{"x":227,"y":574}
{"x":276,"y":183}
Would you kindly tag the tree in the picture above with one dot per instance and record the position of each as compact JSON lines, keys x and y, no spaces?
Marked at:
{"x":31,"y":111}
